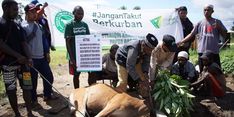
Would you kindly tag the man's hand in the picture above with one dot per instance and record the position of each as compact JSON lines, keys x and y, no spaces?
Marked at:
{"x":146,"y":75}
{"x":180,"y":44}
{"x":45,"y":4}
{"x":22,"y":59}
{"x":30,"y":62}
{"x":48,"y":57}
{"x":144,"y":84}
{"x":144,"y":88}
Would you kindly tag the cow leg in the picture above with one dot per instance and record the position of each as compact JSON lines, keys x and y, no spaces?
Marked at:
{"x":108,"y":110}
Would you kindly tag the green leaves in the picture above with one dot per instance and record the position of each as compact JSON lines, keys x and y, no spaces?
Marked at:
{"x":172,"y":94}
{"x":227,"y":61}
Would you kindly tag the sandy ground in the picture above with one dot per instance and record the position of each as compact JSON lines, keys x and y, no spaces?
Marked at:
{"x":63,"y":83}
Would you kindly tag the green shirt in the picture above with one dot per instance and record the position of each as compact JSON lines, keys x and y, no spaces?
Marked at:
{"x":74,"y":28}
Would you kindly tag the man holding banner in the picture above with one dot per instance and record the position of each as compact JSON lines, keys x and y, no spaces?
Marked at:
{"x":75,"y":27}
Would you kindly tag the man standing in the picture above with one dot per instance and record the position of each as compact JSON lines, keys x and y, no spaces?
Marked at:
{"x":75,"y":27}
{"x":187,"y":26}
{"x":209,"y":31}
{"x":17,"y":55}
{"x":162,"y":56}
{"x":35,"y":40}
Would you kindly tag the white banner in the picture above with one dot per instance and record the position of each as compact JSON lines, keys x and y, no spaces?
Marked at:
{"x":118,"y":26}
{"x":88,"y":53}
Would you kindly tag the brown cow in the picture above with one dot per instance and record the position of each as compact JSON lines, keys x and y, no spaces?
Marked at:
{"x":103,"y":101}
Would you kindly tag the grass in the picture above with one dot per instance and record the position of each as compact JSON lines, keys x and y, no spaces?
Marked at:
{"x":59,"y":57}
{"x":2,"y":88}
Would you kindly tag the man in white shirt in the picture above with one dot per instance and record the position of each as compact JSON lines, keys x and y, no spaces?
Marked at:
{"x":162,"y":56}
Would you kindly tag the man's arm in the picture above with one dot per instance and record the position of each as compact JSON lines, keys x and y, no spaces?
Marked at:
{"x":221,"y":28}
{"x":131,"y":63}
{"x":6,"y":49}
{"x":42,"y":10}
{"x":27,"y":52}
{"x":190,"y":36}
{"x":153,"y":64}
{"x":69,"y":50}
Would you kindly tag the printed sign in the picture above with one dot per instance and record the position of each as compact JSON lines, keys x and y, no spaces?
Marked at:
{"x":88,"y":53}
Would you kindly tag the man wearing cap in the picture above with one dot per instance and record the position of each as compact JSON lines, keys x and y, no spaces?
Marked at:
{"x":35,"y":40}
{"x":184,"y":68}
{"x":162,"y":56}
{"x":42,"y":20}
{"x":209,"y":31}
{"x":133,"y":58}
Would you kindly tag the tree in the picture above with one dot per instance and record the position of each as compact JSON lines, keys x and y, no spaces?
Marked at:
{"x":137,"y":8}
{"x":19,"y":18}
{"x":123,"y":8}
{"x":232,"y":28}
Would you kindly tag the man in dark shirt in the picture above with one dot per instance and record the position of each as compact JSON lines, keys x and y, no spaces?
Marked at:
{"x":133,"y":58}
{"x":187,"y":26}
{"x":17,"y":57}
{"x":213,"y":74}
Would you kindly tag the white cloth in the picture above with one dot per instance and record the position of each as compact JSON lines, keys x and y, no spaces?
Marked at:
{"x":160,"y":60}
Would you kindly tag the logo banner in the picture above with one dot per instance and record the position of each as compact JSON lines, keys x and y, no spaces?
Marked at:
{"x":118,"y":26}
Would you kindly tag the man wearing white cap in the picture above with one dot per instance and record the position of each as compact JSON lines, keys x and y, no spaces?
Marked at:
{"x":209,"y":31}
{"x":184,"y":68}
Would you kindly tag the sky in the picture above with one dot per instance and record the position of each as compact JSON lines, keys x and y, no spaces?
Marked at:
{"x":223,"y":9}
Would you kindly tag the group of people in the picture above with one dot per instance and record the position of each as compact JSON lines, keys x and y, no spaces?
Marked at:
{"x":26,"y":47}
{"x":25,"y":52}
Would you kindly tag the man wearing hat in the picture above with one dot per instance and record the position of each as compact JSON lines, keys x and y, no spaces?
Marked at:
{"x":35,"y":40}
{"x":209,"y":31}
{"x":133,"y":59}
{"x":184,"y":68}
{"x":162,"y":56}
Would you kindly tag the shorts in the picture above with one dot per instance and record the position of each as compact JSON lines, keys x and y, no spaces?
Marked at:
{"x":72,"y":70}
{"x":10,"y":74}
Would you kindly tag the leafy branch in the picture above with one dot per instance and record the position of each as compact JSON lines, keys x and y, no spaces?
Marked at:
{"x":172,"y":94}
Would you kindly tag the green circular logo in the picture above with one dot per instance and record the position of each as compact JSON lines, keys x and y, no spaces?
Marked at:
{"x":61,"y":19}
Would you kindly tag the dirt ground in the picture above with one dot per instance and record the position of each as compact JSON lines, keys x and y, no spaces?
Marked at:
{"x":222,"y":107}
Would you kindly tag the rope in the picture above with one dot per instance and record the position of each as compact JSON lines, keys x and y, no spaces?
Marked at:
{"x":58,"y":91}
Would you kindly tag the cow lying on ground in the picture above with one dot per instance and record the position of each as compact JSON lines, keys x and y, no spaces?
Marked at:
{"x":103,"y":101}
